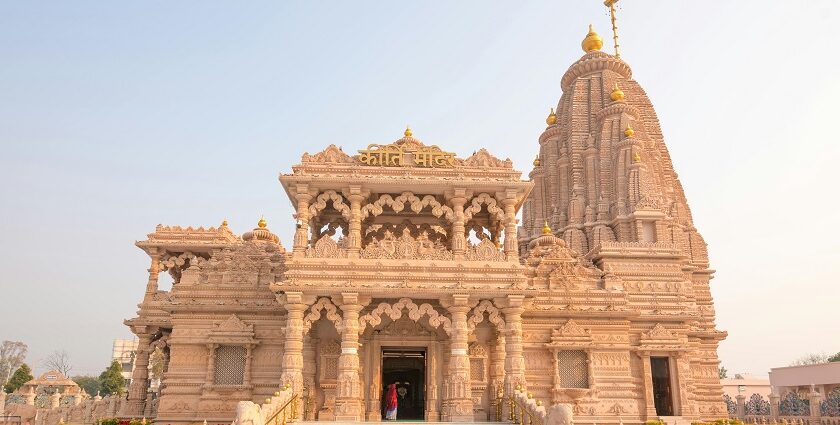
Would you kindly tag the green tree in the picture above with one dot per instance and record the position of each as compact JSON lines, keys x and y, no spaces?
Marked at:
{"x":722,"y":372}
{"x":21,"y":376}
{"x":89,"y":383}
{"x":111,"y":380}
{"x":835,"y":358}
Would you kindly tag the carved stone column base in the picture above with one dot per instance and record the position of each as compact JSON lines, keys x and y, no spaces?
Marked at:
{"x":459,"y":410}
{"x":348,"y":411}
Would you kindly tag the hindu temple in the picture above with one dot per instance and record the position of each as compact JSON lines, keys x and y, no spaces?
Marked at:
{"x":454,"y":277}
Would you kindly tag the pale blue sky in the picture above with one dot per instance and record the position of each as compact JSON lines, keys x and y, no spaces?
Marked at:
{"x":117,"y":116}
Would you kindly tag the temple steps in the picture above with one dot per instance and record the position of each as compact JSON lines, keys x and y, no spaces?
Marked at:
{"x":398,"y":421}
{"x":674,"y":420}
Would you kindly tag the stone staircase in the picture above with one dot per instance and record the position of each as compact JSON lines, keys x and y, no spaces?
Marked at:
{"x":384,"y":422}
{"x":675,"y":420}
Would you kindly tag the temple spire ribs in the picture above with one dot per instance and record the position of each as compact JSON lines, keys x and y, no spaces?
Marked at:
{"x":604,"y":173}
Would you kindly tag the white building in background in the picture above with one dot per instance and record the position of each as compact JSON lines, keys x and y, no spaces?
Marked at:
{"x":822,"y":378}
{"x":123,"y":352}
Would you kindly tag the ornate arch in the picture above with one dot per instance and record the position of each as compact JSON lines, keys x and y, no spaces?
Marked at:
{"x":494,"y":316}
{"x":415,"y":313}
{"x":331,"y":310}
{"x":490,"y":202}
{"x":416,"y":204}
{"x":337,"y":202}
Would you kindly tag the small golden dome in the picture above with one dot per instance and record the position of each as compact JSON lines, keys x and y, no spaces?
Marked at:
{"x":552,"y":118}
{"x":546,"y":229}
{"x":637,"y":157}
{"x":617,"y":94}
{"x":592,"y":41}
{"x":537,"y":161}
{"x":262,"y":223}
{"x":629,"y":132}
{"x":407,"y":132}
{"x":224,"y":223}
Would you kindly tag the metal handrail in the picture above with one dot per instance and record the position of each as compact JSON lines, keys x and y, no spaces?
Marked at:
{"x":283,"y":410}
{"x":519,"y":417}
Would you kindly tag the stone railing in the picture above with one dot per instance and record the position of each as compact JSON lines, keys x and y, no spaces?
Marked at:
{"x":278,"y":409}
{"x":788,"y":410}
{"x":523,"y":409}
{"x":61,"y":409}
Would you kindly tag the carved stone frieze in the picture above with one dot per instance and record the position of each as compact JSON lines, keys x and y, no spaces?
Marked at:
{"x":406,"y":247}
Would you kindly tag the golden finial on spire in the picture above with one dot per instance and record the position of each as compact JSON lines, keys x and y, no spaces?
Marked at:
{"x":537,"y":161}
{"x":637,"y":157}
{"x":546,"y":228}
{"x":551,"y":119}
{"x":611,"y":5}
{"x":629,"y":132}
{"x":224,"y":223}
{"x":592,"y":41}
{"x":407,"y":132}
{"x":262,"y":223}
{"x":616,"y":95}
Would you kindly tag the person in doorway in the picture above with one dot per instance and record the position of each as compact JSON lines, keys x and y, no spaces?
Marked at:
{"x":391,"y":402}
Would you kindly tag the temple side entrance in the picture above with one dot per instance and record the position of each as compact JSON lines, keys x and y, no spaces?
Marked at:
{"x":406,"y":369}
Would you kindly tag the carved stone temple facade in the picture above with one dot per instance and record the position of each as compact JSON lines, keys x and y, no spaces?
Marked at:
{"x":409,"y":266}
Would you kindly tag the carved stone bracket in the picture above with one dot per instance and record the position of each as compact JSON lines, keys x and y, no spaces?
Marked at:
{"x":415,"y":203}
{"x":494,"y":316}
{"x":326,"y":305}
{"x":415,"y":313}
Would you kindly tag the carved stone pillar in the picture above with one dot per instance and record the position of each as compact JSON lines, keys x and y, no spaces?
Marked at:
{"x":55,"y":400}
{"x":459,"y":240}
{"x":136,"y":400}
{"x":647,"y":379}
{"x":373,"y":413}
{"x":302,"y":232}
{"x":348,"y":401}
{"x":459,"y":406}
{"x":514,"y":359}
{"x":511,"y":241}
{"x":355,"y":236}
{"x":432,"y":414}
{"x":211,"y":365}
{"x":249,"y":356}
{"x":686,"y":405}
{"x":814,"y":400}
{"x":292,"y":362}
{"x":740,"y":406}
{"x":774,"y":406}
{"x":309,"y":361}
{"x":497,"y":372}
{"x":30,"y":396}
{"x":154,"y":273}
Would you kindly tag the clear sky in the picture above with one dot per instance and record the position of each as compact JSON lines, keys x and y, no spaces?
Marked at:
{"x":117,"y":116}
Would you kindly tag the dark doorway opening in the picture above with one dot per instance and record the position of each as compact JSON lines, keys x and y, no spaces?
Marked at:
{"x":405,"y":367}
{"x":661,"y":373}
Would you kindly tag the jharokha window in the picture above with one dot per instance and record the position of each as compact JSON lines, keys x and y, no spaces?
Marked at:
{"x":573,"y":368}
{"x":230,"y":365}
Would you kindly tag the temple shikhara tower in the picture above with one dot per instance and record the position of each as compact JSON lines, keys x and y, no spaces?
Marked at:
{"x":476,"y":292}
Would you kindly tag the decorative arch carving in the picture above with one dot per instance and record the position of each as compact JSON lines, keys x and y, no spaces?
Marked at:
{"x":337,"y":203}
{"x":434,"y":232}
{"x":494,"y":315}
{"x":487,"y":200}
{"x":415,"y":203}
{"x":326,"y":305}
{"x":415,"y":313}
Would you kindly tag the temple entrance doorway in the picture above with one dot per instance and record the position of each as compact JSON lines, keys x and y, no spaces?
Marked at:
{"x":406,"y":367}
{"x":661,"y":373}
